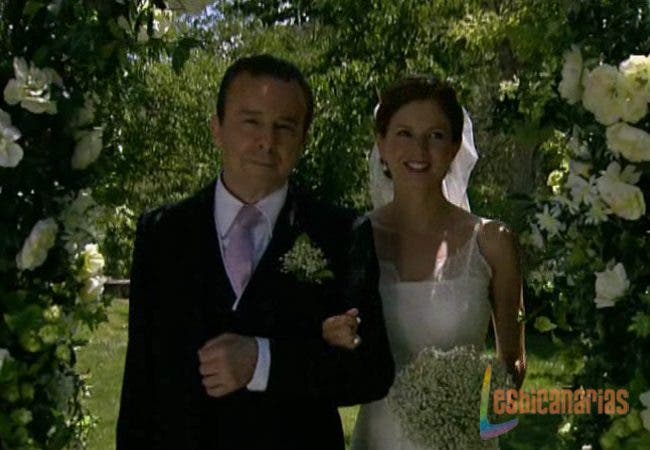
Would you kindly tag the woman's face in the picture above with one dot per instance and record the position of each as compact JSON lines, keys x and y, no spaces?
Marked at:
{"x":418,"y":147}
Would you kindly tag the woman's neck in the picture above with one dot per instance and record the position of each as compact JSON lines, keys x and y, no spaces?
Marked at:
{"x":419,"y":211}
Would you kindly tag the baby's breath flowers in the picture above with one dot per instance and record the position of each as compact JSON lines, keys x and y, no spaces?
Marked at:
{"x":437,"y":397}
{"x":306,"y":261}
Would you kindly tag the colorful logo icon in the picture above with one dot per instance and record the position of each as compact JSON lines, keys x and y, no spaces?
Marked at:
{"x":488,"y":430}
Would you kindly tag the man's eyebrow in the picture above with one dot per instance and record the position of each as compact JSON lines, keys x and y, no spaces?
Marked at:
{"x":249,"y":112}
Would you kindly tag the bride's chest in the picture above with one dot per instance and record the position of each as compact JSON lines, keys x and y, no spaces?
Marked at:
{"x":441,"y":314}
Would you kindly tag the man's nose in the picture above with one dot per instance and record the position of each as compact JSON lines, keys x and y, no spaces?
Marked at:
{"x":265,"y":138}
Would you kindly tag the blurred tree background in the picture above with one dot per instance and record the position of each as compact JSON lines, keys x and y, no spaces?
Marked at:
{"x":503,"y":57}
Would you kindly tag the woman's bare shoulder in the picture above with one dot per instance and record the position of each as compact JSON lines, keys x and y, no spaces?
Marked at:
{"x":496,"y":239}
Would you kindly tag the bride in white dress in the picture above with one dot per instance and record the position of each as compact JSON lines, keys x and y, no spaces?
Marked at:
{"x":444,"y":272}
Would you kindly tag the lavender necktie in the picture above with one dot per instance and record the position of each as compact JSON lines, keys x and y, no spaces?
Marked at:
{"x":239,"y":253}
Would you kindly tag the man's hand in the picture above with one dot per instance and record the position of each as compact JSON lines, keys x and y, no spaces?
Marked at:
{"x":227,"y":363}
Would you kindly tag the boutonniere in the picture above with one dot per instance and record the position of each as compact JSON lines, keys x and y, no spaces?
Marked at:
{"x":306,"y":261}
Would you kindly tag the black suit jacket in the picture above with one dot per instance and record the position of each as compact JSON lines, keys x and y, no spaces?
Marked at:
{"x":181,"y":297}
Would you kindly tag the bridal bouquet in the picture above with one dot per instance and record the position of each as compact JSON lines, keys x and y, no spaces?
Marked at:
{"x":437,"y":397}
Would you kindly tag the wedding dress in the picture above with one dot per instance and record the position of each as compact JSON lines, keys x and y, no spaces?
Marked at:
{"x":450,"y":308}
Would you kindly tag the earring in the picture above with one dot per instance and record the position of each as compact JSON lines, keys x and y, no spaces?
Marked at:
{"x":385,"y":169}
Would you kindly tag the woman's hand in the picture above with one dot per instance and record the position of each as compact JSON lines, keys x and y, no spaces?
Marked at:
{"x":341,"y":330}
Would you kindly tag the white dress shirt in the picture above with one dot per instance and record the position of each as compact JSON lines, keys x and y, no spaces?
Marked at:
{"x":226,"y":207}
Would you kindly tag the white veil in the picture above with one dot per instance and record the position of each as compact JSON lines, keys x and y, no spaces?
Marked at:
{"x":454,"y":186}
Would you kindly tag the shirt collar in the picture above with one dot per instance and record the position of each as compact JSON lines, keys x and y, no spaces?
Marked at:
{"x":228,"y":206}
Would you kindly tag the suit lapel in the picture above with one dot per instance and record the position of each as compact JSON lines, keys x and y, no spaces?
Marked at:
{"x":216,"y":295}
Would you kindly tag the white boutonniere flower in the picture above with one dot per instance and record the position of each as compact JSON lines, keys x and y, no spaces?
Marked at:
{"x":306,"y":261}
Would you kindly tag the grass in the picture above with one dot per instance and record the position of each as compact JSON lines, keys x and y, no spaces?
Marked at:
{"x":103,"y":362}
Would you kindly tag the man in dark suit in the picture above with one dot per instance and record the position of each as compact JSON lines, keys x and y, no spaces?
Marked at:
{"x":225,"y":348}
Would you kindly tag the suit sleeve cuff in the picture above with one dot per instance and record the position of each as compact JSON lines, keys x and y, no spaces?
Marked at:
{"x":261,"y":375}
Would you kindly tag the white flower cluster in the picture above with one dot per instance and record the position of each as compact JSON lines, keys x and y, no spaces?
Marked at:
{"x":90,"y":273}
{"x":31,"y":87}
{"x":619,"y":191}
{"x":611,"y":285}
{"x":10,"y":152}
{"x":548,"y":221}
{"x":89,"y":146}
{"x":437,"y":397}
{"x":82,"y":221}
{"x":645,"y":414}
{"x":39,"y":242}
{"x":89,"y":140}
{"x":306,"y":261}
{"x":612,"y":94}
{"x":161,"y":27}
{"x":630,"y":142}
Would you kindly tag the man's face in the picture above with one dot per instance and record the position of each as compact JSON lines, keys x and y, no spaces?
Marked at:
{"x":262,"y":134}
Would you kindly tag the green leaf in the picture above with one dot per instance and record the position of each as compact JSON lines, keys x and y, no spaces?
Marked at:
{"x":640,"y":325}
{"x":107,"y":50}
{"x":28,"y":318}
{"x":544,"y":324}
{"x":31,"y":8}
{"x":325,"y":274}
{"x":645,"y":297}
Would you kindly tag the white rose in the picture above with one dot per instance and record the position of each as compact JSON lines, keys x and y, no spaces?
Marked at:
{"x":600,"y":95}
{"x":645,"y":414}
{"x":10,"y":152}
{"x":88,"y":148}
{"x":85,"y":115}
{"x":38,"y":243}
{"x":570,"y":88}
{"x":645,"y":399}
{"x":610,"y":286}
{"x":633,"y":143}
{"x":76,"y":214}
{"x":31,"y":88}
{"x":636,"y":71}
{"x":624,"y":199}
{"x":633,"y":104}
{"x":93,"y":261}
{"x":4,"y":354}
{"x":92,"y":289}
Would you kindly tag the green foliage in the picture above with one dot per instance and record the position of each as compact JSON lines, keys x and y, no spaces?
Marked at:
{"x":612,"y":339}
{"x":59,"y":61}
